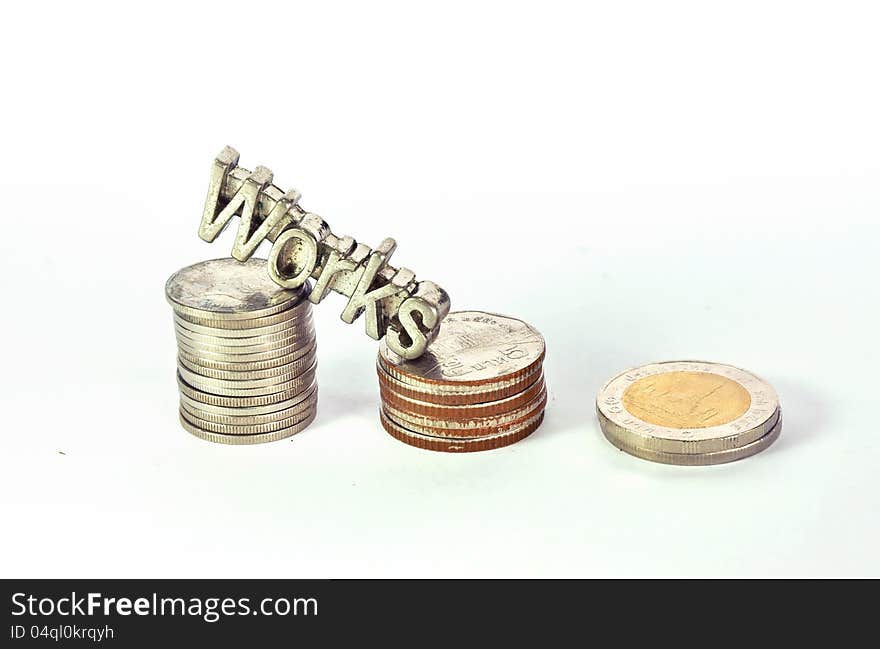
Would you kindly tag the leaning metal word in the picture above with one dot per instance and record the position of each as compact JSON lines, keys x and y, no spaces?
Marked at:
{"x":408,"y":313}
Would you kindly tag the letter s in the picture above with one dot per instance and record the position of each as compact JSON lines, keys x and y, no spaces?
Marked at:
{"x":411,"y":332}
{"x":22,"y":608}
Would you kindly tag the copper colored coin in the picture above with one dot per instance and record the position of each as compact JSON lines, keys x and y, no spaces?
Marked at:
{"x":455,"y":412}
{"x":457,"y":445}
{"x":457,"y":395}
{"x":473,"y":349}
{"x":481,"y":427}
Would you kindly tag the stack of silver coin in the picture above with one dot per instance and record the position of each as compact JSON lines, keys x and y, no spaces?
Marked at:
{"x":245,"y":353}
{"x":480,"y":385}
{"x":689,"y":413}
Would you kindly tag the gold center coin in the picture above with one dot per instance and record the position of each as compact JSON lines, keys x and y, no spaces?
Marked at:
{"x":686,"y":400}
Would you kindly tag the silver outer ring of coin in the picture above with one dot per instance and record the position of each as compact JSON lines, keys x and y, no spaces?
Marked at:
{"x":466,"y":427}
{"x":296,"y":367}
{"x":239,"y":410}
{"x":294,"y":313}
{"x":740,"y":431}
{"x":247,"y":439}
{"x":462,"y":445}
{"x":231,"y":289}
{"x":281,"y":338}
{"x":216,"y":332}
{"x":241,"y":401}
{"x":487,"y":392}
{"x":513,"y":347}
{"x":632,"y":440}
{"x":704,"y":459}
{"x":196,"y":414}
{"x":253,"y":353}
{"x":246,"y":388}
{"x":231,"y":364}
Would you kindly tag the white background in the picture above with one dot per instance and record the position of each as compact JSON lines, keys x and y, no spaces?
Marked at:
{"x":640,"y":181}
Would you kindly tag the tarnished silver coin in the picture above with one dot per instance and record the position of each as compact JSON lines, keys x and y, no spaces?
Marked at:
{"x":473,"y":349}
{"x":236,"y":290}
{"x":688,"y":408}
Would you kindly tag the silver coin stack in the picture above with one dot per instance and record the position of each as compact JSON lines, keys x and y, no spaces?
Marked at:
{"x":245,"y":353}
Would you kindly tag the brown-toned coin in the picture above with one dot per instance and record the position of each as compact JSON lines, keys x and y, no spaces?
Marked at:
{"x":460,"y":445}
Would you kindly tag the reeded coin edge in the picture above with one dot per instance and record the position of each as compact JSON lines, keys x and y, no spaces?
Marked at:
{"x":458,"y":394}
{"x":462,"y":411}
{"x":703,"y":459}
{"x":219,"y":438}
{"x":446,"y":445}
{"x":687,"y":447}
{"x":413,"y":380}
{"x":467,"y":428}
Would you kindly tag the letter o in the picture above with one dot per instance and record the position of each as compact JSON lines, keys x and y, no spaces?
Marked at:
{"x":293,"y":258}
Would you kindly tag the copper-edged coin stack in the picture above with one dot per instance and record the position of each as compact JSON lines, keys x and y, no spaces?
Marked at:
{"x":245,"y":353}
{"x":479,"y":386}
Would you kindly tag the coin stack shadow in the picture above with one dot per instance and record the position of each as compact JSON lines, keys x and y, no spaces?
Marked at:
{"x":246,"y":353}
{"x":480,"y":386}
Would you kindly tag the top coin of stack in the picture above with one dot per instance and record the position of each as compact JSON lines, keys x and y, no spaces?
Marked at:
{"x":479,"y":386}
{"x":246,"y":352}
{"x":689,"y":413}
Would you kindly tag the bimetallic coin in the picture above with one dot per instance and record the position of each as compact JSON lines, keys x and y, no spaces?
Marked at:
{"x":235,"y":290}
{"x":473,"y":348}
{"x":460,"y":445}
{"x":486,"y":409}
{"x":247,"y":439}
{"x":687,"y":408}
{"x":478,"y":427}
